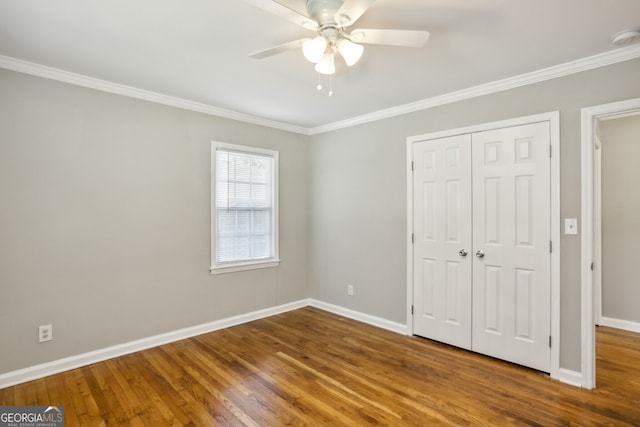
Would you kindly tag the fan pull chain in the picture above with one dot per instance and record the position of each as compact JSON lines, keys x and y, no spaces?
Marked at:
{"x":330,"y":84}
{"x":319,"y":87}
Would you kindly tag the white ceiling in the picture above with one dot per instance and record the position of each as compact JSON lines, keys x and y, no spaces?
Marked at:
{"x":197,"y":49}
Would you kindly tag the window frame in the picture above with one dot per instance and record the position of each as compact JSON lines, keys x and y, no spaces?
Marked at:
{"x":249,"y":264}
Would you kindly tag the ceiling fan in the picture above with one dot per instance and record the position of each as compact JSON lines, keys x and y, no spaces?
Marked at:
{"x":329,"y":19}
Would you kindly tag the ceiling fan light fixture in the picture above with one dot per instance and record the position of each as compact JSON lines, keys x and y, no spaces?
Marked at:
{"x":326,"y":65}
{"x":314,"y":49}
{"x":350,"y":51}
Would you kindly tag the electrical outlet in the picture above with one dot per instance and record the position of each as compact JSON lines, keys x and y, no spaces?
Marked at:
{"x":45,"y":333}
{"x":350,"y":290}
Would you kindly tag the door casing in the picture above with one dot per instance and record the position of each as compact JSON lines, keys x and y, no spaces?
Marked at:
{"x":554,"y":122}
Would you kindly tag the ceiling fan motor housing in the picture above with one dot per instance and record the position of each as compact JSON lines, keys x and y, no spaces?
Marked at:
{"x":324,"y":11}
{"x":330,"y":32}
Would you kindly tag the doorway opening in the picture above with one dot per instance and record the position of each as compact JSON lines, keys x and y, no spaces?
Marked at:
{"x":591,"y":253}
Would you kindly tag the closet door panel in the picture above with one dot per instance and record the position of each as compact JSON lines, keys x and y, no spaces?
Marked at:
{"x":511,"y":235}
{"x":442,"y":234}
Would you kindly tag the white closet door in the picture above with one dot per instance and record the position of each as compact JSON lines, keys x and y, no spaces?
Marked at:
{"x":511,"y":227}
{"x":442,"y":229}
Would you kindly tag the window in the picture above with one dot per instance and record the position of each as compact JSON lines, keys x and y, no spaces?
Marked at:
{"x":244,"y":215}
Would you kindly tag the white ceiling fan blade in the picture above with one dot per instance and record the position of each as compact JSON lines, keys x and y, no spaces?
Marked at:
{"x":282,"y":10}
{"x":351,"y":10}
{"x":296,"y":6}
{"x":278,"y":49}
{"x":407,"y":38}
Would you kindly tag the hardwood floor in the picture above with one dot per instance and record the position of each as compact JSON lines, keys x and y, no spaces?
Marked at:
{"x":310,"y":367}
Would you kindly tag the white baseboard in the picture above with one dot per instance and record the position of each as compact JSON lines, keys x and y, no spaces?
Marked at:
{"x":68,"y":363}
{"x":570,"y":377}
{"x":627,"y":325}
{"x":45,"y":369}
{"x":356,"y":315}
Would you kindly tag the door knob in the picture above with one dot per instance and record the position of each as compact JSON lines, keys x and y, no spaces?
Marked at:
{"x":479,"y":254}
{"x":463,"y":252}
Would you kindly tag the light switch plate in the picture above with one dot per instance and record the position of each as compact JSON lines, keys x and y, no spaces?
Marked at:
{"x":570,"y":226}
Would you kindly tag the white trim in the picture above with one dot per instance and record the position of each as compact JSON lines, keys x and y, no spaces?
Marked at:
{"x":627,"y":325}
{"x":361,"y":317}
{"x":556,"y":265}
{"x":481,"y":127}
{"x":587,"y":335}
{"x":409,"y":148}
{"x":245,"y":266}
{"x":550,"y":73}
{"x":72,"y":362}
{"x":50,"y":368}
{"x":554,"y":120}
{"x":570,"y":377}
{"x":45,"y":369}
{"x":105,"y":86}
{"x":619,"y":116}
{"x":597,"y":228}
{"x":584,"y":64}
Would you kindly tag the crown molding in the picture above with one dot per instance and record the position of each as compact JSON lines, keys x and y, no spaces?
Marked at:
{"x":572,"y":67}
{"x":105,"y":86}
{"x":556,"y":71}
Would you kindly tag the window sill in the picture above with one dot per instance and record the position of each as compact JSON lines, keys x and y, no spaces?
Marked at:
{"x":242,"y":267}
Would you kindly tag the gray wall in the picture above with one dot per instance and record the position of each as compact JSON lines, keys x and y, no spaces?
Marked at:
{"x":104,"y":211}
{"x":104,"y":220}
{"x":358,"y":193}
{"x":620,"y":218}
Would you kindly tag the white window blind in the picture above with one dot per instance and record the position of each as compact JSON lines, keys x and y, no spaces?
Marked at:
{"x":245,"y":214}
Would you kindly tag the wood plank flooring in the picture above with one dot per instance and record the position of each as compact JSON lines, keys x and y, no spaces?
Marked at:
{"x":310,"y":367}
